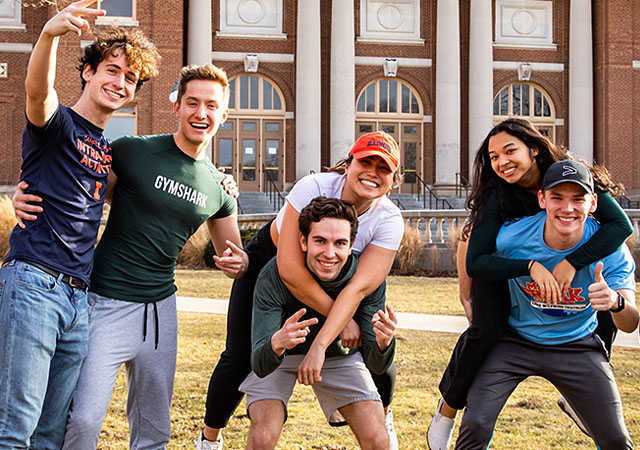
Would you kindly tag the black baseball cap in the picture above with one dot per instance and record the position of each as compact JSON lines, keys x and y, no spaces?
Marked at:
{"x":568,"y":171}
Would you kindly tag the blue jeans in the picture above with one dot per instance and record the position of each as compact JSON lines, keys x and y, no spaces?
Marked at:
{"x":43,"y":341}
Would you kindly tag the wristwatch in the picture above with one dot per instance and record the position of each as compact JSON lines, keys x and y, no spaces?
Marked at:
{"x":620,"y":306}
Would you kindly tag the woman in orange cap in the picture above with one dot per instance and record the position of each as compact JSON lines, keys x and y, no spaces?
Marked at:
{"x":363,"y":179}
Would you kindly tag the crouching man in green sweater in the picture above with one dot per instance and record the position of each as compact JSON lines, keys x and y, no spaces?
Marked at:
{"x":283,"y":330}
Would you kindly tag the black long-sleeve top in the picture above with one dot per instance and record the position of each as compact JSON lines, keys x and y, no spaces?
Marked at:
{"x":482,"y":263}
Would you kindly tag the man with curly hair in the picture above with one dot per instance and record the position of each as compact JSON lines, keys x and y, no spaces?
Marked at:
{"x":166,"y":188}
{"x":44,"y":279}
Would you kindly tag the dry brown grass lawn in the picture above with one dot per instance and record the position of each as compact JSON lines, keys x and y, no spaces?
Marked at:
{"x":530,"y":421}
{"x":407,"y":294}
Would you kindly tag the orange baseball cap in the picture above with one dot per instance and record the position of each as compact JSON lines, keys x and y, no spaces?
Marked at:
{"x":379,"y":144}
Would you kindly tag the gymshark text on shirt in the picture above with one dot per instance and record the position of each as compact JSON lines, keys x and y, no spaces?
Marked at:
{"x":181,"y":191}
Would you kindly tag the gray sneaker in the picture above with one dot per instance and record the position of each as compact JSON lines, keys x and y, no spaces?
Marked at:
{"x":568,"y":410}
{"x":440,"y":430}
{"x":204,"y":444}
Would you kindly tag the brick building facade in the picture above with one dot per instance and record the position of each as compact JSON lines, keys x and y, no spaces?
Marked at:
{"x":571,"y":66}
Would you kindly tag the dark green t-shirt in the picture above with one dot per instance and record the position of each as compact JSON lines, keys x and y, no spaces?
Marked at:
{"x":273,"y":304}
{"x":161,"y":198}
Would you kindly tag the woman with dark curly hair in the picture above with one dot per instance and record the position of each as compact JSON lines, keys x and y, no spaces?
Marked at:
{"x":508,"y":172}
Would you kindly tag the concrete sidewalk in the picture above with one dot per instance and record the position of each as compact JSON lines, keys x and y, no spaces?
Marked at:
{"x":423,"y":322}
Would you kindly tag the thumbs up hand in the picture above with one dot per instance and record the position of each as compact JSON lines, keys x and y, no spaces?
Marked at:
{"x":601,"y":296}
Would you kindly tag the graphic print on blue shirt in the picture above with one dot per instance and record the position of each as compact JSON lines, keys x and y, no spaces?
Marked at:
{"x":66,"y":162}
{"x":573,"y":318}
{"x":572,"y":301}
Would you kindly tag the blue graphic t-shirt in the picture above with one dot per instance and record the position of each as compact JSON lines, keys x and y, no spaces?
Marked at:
{"x":66,"y":162}
{"x":573,"y":318}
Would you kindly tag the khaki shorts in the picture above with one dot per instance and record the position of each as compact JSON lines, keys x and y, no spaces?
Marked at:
{"x":345,"y":380}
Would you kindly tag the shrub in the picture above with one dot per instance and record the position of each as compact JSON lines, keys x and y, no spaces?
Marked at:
{"x":7,"y":223}
{"x":406,"y":262}
{"x":193,"y":252}
{"x":455,"y":233}
{"x":209,"y":252}
{"x":247,"y":233}
{"x":198,"y":251}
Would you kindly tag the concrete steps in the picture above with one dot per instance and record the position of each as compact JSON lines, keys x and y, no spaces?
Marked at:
{"x":255,"y":203}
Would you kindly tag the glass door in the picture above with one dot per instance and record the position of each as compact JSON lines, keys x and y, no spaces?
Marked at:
{"x":250,"y":161}
{"x":272,"y":152}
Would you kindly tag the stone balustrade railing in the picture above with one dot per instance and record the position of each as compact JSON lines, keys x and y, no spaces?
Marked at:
{"x":634,"y":215}
{"x":439,"y":222}
{"x":437,"y":255}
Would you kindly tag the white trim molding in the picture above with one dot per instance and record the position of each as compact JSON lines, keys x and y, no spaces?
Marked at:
{"x":635,"y":64}
{"x":526,"y":46}
{"x":559,"y":122}
{"x":262,"y":57}
{"x":14,"y":47}
{"x":390,"y":41}
{"x":402,"y":62}
{"x":222,"y":34}
{"x":427,"y":119}
{"x":17,"y":27}
{"x":118,"y":21}
{"x":535,"y":67}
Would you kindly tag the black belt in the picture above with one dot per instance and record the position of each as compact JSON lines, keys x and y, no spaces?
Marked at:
{"x":74,"y":282}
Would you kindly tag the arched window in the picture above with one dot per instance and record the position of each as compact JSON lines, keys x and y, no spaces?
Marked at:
{"x":388,"y":96}
{"x":253,"y":93}
{"x":250,"y":144}
{"x":392,"y":105}
{"x":528,"y":101}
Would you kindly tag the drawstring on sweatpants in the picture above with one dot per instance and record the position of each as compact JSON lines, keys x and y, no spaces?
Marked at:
{"x":144,"y":325}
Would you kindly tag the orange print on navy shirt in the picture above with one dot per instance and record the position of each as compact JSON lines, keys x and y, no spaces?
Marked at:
{"x":95,"y":156}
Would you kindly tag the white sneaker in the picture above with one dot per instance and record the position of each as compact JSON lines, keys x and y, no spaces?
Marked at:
{"x":568,"y":410}
{"x":440,"y":430}
{"x":391,"y":431}
{"x":204,"y":444}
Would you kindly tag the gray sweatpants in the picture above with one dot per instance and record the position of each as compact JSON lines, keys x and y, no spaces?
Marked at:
{"x":115,"y":338}
{"x":581,"y":372}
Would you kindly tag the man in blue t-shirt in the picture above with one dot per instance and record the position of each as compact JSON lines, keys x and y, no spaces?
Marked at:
{"x":44,"y":279}
{"x":557,"y":341}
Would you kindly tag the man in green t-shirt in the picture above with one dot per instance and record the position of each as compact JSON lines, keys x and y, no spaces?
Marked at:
{"x":163,"y":188}
{"x":283,"y":329}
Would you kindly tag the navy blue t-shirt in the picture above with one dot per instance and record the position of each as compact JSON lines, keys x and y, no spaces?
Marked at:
{"x":66,"y":162}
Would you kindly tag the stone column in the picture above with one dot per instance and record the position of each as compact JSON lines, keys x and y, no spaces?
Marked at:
{"x":343,"y":80}
{"x":199,"y":39}
{"x":581,"y":80}
{"x":199,"y":33}
{"x":480,"y":76}
{"x":308,"y":88}
{"x":447,"y":94}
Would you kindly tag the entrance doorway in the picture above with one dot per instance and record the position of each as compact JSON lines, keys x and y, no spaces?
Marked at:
{"x":252,"y":151}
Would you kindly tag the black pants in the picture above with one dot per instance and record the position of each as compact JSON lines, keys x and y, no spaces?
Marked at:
{"x":234,"y":365}
{"x":578,"y":369}
{"x":491,"y":304}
